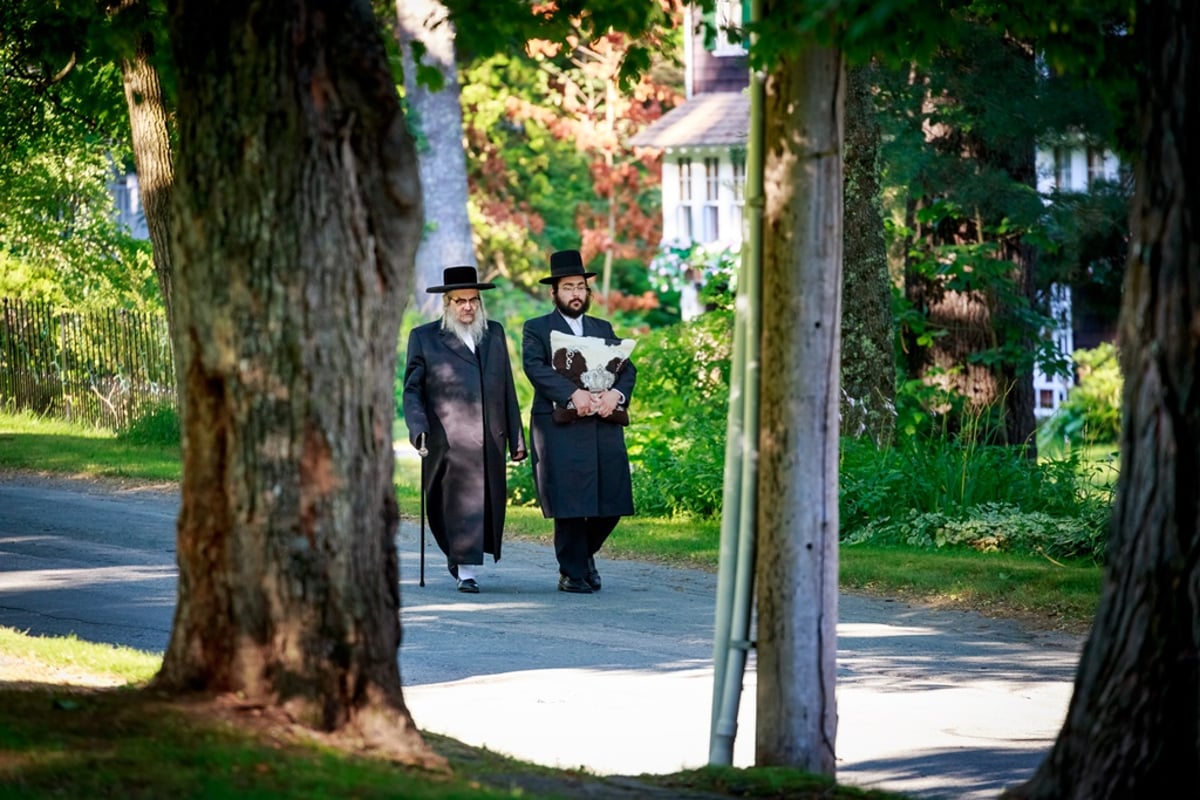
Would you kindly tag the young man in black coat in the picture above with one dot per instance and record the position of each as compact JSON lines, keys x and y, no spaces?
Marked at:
{"x":580,"y":466}
{"x":460,"y":405}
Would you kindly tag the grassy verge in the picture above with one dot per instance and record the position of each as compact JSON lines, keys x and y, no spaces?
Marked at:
{"x":1040,"y":592}
{"x":62,"y":737}
{"x":43,"y":445}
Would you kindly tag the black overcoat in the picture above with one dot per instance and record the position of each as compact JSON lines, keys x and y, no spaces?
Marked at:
{"x":468,"y":408}
{"x":580,"y":468}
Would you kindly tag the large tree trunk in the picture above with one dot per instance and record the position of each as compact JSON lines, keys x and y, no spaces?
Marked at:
{"x":437,"y":120}
{"x":796,"y":573}
{"x":868,"y":363}
{"x":1133,"y":726}
{"x":297,"y":213}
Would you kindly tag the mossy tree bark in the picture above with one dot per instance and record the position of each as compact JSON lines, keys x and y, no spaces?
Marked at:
{"x":868,"y":361}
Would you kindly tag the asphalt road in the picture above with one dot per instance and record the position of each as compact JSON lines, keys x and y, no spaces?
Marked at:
{"x":933,"y":704}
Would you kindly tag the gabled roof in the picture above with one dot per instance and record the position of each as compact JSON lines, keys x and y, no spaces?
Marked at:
{"x":715,"y":119}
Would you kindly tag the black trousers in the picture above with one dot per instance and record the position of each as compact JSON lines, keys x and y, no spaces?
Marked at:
{"x":576,"y":539}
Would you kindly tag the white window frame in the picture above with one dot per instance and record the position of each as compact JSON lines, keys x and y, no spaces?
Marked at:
{"x":683,"y":212}
{"x":1063,"y":156}
{"x":728,"y":14}
{"x":710,"y":223}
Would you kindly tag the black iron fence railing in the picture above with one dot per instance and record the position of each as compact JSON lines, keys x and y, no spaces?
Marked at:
{"x":102,"y":368}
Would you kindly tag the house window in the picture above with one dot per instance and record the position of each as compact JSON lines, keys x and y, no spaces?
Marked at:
{"x":1046,"y":398}
{"x":739,"y":189}
{"x":711,"y":231}
{"x":1095,"y":162}
{"x":729,"y":20}
{"x":1062,"y":169}
{"x":683,"y":212}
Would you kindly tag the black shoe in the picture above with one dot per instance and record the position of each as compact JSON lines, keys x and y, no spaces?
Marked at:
{"x":573,"y":585}
{"x":469,"y":586}
{"x":593,"y":577}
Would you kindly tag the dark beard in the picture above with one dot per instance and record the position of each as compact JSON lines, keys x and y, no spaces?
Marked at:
{"x":567,"y":311}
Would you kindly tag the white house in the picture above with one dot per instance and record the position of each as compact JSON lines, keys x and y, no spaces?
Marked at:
{"x":703,"y":141}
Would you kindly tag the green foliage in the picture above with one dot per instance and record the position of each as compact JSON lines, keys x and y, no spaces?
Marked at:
{"x":1091,"y":414}
{"x":526,"y":182}
{"x":991,"y":528}
{"x":923,"y":408}
{"x":676,"y":437}
{"x":1086,"y":242}
{"x":64,"y":135}
{"x":938,"y":491}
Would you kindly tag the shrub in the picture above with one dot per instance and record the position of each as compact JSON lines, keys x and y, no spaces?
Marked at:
{"x":941,"y":491}
{"x":1091,"y":413}
{"x":159,"y":426}
{"x":676,"y":437}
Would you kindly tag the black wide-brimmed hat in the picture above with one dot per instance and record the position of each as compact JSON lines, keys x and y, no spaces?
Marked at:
{"x":459,"y":278}
{"x":566,"y":264}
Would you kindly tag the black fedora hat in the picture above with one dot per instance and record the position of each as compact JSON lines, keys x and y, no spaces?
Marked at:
{"x":566,"y":264}
{"x":459,"y":278}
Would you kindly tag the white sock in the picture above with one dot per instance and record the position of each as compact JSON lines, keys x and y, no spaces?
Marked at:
{"x":466,"y":572}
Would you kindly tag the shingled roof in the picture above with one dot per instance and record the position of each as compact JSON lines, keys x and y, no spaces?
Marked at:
{"x":716,"y":119}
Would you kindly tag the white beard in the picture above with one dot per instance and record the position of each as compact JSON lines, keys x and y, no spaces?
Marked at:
{"x":471,"y":335}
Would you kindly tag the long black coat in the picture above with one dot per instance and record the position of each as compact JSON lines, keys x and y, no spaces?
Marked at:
{"x":468,"y":409}
{"x":581,"y":468}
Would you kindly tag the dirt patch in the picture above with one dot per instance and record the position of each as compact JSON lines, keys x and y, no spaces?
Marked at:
{"x":19,"y":672}
{"x":91,"y":484}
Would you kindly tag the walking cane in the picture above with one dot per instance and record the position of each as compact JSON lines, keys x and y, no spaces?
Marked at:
{"x":422,"y":452}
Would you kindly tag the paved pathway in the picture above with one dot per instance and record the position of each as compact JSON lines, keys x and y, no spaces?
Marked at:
{"x":934,"y":704}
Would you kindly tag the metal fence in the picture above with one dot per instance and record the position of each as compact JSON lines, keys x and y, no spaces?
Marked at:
{"x":105,"y":368}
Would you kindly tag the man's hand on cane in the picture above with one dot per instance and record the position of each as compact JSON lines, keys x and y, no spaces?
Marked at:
{"x":422,"y":450}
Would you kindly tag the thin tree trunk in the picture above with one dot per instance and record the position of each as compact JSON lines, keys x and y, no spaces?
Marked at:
{"x":151,"y":139}
{"x":297,"y":214}
{"x":438,"y":124}
{"x":155,"y":170}
{"x":868,"y":363}
{"x":796,"y":572}
{"x":1133,"y":726}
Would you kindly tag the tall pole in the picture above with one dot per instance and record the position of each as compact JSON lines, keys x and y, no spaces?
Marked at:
{"x":735,"y":575}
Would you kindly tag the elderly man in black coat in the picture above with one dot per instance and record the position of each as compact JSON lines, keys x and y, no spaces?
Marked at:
{"x":460,"y":405}
{"x":580,"y":466}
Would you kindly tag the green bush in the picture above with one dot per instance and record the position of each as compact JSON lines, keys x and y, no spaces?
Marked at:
{"x":157,"y":427}
{"x":941,"y":491}
{"x":1091,"y":413}
{"x":991,"y":527}
{"x":521,"y":490}
{"x":676,"y":437}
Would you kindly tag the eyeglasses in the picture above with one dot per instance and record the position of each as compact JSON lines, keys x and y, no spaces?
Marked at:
{"x":465,"y":301}
{"x":581,"y":288}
